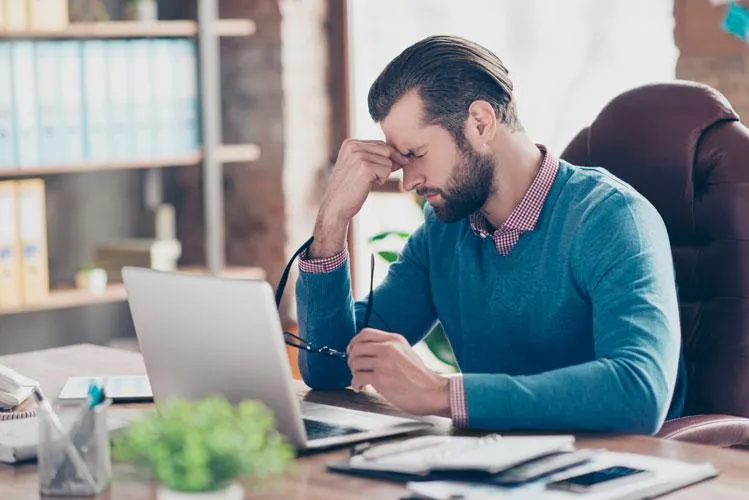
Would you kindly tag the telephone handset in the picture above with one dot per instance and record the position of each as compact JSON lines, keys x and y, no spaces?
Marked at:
{"x":14,"y":388}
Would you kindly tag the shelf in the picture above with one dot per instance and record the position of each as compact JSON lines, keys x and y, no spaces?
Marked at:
{"x":227,"y":154}
{"x":70,"y":298}
{"x":135,"y":29}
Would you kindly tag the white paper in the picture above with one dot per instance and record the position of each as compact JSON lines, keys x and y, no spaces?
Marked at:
{"x":669,"y":475}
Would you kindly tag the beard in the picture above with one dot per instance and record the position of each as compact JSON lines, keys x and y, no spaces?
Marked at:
{"x":467,"y":189}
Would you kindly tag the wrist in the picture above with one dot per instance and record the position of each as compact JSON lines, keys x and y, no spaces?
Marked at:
{"x":330,"y":236}
{"x":441,"y":397}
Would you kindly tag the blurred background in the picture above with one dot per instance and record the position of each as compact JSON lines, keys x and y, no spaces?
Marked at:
{"x":199,"y":136}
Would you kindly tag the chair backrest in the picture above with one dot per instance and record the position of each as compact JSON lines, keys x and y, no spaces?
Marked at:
{"x":683,"y":147}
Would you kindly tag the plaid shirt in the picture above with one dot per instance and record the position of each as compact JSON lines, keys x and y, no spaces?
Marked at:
{"x":523,"y":218}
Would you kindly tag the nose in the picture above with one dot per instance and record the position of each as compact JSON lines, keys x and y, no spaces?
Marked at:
{"x":412,"y":179}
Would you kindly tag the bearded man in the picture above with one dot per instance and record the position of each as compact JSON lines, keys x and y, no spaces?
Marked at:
{"x":554,"y":283}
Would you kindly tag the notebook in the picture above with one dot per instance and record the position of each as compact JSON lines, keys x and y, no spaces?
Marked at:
{"x":668,"y":475}
{"x":118,"y":388}
{"x":18,"y":438}
{"x":428,"y":454}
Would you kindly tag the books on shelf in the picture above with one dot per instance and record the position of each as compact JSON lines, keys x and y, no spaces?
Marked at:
{"x":14,"y":15}
{"x":24,"y":15}
{"x":24,"y":266}
{"x":10,"y":248}
{"x":48,"y":15}
{"x":67,"y":102}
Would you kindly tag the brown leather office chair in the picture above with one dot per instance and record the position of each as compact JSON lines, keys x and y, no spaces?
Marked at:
{"x":682,"y":146}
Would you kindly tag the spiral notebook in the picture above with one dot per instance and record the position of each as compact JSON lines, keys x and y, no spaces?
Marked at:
{"x":427,"y":454}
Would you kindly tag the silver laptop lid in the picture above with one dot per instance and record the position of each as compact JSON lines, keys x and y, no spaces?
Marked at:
{"x":202,"y":335}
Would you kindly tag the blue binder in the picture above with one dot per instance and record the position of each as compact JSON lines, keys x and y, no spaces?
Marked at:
{"x":121,"y":142}
{"x":186,"y":80}
{"x":7,"y":129}
{"x":142,"y":89}
{"x":162,"y":64}
{"x":70,"y":139}
{"x":25,"y":112}
{"x":96,"y":104}
{"x":48,"y":102}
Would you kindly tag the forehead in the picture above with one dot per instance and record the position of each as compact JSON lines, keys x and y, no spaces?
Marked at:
{"x":403,"y":127}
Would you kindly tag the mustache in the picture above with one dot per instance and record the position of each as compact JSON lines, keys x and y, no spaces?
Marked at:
{"x":429,"y":191}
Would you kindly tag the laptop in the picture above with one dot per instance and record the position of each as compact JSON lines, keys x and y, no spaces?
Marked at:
{"x":201,"y":335}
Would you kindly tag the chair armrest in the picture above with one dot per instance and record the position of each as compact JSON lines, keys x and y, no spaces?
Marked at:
{"x":716,"y":430}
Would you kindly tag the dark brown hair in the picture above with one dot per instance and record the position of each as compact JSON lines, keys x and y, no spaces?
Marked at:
{"x":449,"y":73}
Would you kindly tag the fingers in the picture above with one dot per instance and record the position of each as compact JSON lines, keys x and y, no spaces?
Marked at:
{"x":375,"y":159}
{"x":379,"y":148}
{"x":370,"y":335}
{"x":375,"y":147}
{"x":398,"y":159}
{"x":362,"y":379}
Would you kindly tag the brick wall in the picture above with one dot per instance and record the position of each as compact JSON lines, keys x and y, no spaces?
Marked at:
{"x":710,"y":55}
{"x":275,"y":94}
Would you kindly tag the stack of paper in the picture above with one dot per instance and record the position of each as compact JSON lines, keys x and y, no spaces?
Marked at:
{"x":668,"y":475}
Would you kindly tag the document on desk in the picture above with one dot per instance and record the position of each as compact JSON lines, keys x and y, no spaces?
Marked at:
{"x":19,"y":438}
{"x":669,"y":475}
{"x":428,"y":454}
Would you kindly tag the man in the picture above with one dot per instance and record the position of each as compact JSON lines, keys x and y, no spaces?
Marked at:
{"x":554,"y":283}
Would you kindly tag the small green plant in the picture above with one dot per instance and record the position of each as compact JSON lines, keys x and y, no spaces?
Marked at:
{"x":89,"y":265}
{"x":200,"y":446}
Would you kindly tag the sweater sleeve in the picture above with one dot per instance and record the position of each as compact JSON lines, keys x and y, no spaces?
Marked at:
{"x":328,"y":315}
{"x":621,"y":260}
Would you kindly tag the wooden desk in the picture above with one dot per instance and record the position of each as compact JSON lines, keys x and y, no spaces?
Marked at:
{"x":52,"y":367}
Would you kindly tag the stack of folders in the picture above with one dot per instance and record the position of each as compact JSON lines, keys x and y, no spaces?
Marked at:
{"x":515,"y":467}
{"x":24,"y":265}
{"x":112,"y":101}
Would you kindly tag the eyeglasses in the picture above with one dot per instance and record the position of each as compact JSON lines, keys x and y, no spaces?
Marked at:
{"x":300,"y":343}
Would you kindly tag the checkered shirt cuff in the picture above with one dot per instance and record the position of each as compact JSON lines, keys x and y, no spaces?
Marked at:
{"x":325,"y":265}
{"x":458,"y":407}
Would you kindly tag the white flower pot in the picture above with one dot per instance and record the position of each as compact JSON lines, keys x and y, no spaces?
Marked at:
{"x":141,"y":10}
{"x":234,"y":491}
{"x":93,"y":280}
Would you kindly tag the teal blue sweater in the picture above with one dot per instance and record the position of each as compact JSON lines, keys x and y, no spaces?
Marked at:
{"x":577,"y":328}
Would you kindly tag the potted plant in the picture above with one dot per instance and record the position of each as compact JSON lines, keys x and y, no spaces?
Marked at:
{"x":205,"y":449}
{"x":92,"y":278}
{"x":140,"y":10}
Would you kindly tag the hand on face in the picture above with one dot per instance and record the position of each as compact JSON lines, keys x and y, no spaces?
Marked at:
{"x":389,"y":364}
{"x":360,"y":166}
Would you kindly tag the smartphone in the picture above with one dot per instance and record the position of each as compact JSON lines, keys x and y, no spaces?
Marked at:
{"x":603,"y":479}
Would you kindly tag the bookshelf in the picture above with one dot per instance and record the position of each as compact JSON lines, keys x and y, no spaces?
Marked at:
{"x":211,"y":156}
{"x":67,"y":298}
{"x":134,"y":29}
{"x":226,"y":153}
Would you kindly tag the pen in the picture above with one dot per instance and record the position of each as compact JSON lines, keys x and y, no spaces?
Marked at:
{"x":82,"y":428}
{"x":414,"y":444}
{"x":72,"y":453}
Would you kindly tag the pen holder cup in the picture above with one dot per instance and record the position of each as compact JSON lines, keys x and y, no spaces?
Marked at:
{"x":78,"y":463}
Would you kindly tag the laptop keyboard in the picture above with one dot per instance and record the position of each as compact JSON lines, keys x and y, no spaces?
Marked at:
{"x":319,"y":430}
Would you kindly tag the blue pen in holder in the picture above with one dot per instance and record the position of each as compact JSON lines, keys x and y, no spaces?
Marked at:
{"x":76,"y":462}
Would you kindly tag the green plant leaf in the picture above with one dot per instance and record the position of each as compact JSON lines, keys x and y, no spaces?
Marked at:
{"x":381,"y":236}
{"x":196,"y":446}
{"x":439,"y":344}
{"x":388,"y":256}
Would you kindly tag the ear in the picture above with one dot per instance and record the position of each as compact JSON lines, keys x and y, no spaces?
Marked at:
{"x":481,"y":125}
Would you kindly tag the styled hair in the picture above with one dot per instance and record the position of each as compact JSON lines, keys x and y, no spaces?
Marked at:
{"x":449,"y":73}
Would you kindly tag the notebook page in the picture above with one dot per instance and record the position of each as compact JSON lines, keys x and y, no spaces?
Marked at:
{"x":410,"y":456}
{"x":495,"y":453}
